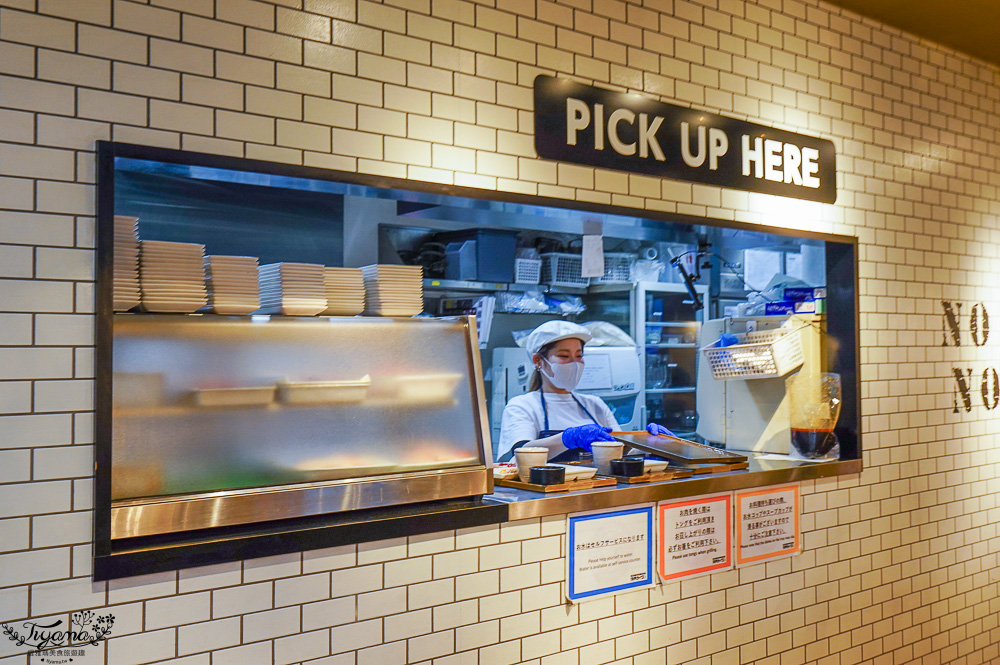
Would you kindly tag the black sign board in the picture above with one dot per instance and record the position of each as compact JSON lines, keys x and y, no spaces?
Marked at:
{"x":586,"y":125}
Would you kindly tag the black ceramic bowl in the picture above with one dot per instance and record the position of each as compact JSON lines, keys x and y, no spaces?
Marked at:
{"x":547,"y":475}
{"x":628,"y":467}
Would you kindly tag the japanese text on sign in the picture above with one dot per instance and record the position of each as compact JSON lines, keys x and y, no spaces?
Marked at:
{"x":695,"y":536}
{"x":769,"y":524}
{"x":609,"y":552}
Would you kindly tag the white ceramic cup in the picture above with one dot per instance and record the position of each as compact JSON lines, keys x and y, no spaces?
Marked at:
{"x":604,"y":452}
{"x":527,"y":457}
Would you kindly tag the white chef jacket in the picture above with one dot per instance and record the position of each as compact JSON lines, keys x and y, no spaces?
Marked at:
{"x":523,"y":418}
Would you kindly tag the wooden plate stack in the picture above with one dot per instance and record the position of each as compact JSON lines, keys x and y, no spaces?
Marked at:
{"x":126,"y":263}
{"x":232,"y":284}
{"x":295,"y":289}
{"x":172,"y":276}
{"x":345,"y":291}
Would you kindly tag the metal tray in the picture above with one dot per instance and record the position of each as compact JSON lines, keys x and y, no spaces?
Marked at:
{"x":676,"y":449}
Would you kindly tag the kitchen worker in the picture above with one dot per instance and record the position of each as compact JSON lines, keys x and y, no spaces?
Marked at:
{"x":550,"y":414}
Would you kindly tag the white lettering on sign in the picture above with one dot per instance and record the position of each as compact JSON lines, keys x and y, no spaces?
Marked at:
{"x":772,"y":160}
{"x":647,"y":137}
{"x":810,"y":167}
{"x":718,"y":144}
{"x":793,"y":160}
{"x":624,"y":131}
{"x":780,"y":162}
{"x":620,"y":147}
{"x":598,"y":126}
{"x":756,"y":156}
{"x":579,"y":116}
{"x":689,"y":159}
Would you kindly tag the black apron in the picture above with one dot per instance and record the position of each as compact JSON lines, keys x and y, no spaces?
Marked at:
{"x":570,"y":455}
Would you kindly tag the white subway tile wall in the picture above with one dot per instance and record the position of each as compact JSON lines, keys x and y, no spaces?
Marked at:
{"x":900,"y":561}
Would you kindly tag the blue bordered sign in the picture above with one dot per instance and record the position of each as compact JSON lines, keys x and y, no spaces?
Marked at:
{"x":609,"y":551}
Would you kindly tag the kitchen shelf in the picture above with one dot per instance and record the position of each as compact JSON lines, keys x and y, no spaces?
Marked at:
{"x":545,"y":288}
{"x":614,"y":287}
{"x":434,"y":284}
{"x":671,"y":346}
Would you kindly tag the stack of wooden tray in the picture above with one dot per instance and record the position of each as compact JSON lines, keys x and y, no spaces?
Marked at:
{"x":687,"y":459}
{"x":569,"y":486}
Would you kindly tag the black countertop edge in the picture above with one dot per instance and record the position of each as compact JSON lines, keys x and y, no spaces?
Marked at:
{"x":141,"y":556}
{"x":525,"y":504}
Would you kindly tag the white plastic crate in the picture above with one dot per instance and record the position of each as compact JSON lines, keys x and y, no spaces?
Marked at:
{"x":758,"y":355}
{"x":563,"y":270}
{"x":527,"y":271}
{"x":617,"y":268}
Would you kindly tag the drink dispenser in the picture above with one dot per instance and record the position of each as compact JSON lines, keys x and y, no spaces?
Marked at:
{"x":813,"y":409}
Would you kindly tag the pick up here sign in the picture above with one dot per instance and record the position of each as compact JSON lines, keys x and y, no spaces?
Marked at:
{"x":586,"y":125}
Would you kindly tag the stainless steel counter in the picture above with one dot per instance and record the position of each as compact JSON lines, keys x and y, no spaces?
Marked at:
{"x":763,"y":471}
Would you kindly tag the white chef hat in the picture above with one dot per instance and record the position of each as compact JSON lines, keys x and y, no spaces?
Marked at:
{"x":554,"y":331}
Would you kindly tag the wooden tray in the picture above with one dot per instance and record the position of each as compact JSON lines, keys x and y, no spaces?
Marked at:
{"x":587,"y":484}
{"x":668,"y":474}
{"x":701,"y":469}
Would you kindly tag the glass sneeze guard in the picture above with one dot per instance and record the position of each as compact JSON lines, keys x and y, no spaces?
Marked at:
{"x":210,"y":404}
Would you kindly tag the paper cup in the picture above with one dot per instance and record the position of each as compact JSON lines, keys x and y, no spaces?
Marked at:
{"x":604,"y":452}
{"x":528,"y":457}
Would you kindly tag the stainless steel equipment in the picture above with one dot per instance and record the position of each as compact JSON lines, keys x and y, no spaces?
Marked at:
{"x":220,"y":421}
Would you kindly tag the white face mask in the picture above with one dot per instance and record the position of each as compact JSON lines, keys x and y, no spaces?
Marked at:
{"x":564,"y":375}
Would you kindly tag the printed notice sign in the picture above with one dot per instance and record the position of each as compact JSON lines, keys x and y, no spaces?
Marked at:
{"x":768,"y":524}
{"x":695,"y":536}
{"x":609,"y":551}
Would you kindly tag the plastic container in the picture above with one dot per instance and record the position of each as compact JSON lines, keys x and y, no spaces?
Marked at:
{"x":759,"y":355}
{"x":617,"y":268}
{"x":495,"y":251}
{"x":563,"y":270}
{"x":324,"y":392}
{"x":462,"y":263}
{"x":527,"y":271}
{"x":415,"y":389}
{"x":256,"y":396}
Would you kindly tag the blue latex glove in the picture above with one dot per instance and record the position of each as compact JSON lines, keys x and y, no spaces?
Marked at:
{"x":584,"y":435}
{"x":657,"y":430}
{"x":725,"y":339}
